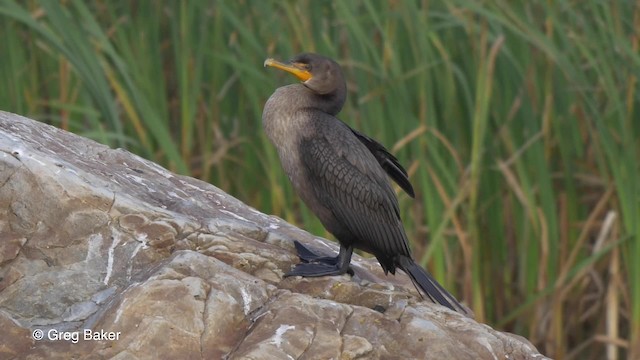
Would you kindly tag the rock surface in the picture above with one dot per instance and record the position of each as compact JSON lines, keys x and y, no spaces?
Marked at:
{"x":107,"y":255}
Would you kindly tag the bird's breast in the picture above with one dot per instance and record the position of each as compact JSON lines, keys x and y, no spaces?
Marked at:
{"x":285,"y":123}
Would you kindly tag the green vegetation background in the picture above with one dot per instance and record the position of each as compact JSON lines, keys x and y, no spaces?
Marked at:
{"x":518,"y":122}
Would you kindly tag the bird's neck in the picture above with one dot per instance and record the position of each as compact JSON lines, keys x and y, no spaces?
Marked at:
{"x":330,"y":103}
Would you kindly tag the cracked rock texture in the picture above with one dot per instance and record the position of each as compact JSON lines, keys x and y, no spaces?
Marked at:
{"x":112,"y":256}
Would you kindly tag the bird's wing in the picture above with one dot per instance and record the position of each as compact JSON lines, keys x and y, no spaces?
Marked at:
{"x":350,"y":182}
{"x":388,"y":162}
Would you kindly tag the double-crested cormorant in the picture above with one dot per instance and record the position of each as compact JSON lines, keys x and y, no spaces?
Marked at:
{"x":341,"y":174}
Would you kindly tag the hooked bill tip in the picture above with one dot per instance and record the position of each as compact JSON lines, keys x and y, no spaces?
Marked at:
{"x":268,"y":62}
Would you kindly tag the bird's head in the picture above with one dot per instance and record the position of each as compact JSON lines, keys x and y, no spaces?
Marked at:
{"x":318,"y":73}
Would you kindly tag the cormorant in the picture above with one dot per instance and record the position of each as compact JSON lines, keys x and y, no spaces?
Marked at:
{"x":341,"y":174}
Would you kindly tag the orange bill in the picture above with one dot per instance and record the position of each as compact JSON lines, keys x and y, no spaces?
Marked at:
{"x":297,"y":69}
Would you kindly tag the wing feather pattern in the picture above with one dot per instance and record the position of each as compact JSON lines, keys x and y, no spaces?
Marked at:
{"x":351,"y":183}
{"x":388,"y":162}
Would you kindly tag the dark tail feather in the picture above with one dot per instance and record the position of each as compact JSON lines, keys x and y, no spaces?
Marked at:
{"x":422,"y":280}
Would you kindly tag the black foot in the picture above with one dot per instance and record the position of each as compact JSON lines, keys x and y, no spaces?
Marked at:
{"x":308,"y":256}
{"x":316,"y":270}
{"x":314,"y":265}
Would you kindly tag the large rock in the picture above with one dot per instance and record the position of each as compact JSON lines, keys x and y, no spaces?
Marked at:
{"x":107,"y":255}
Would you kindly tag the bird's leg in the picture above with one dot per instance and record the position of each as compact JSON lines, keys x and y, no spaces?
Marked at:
{"x":324,"y":266}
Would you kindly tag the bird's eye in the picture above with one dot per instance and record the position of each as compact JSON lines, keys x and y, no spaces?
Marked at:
{"x":303,"y":66}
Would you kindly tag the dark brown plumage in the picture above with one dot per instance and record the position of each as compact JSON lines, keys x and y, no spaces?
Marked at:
{"x":341,"y":174}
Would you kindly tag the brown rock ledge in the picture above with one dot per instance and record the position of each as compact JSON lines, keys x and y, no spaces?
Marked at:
{"x":116,"y":257}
